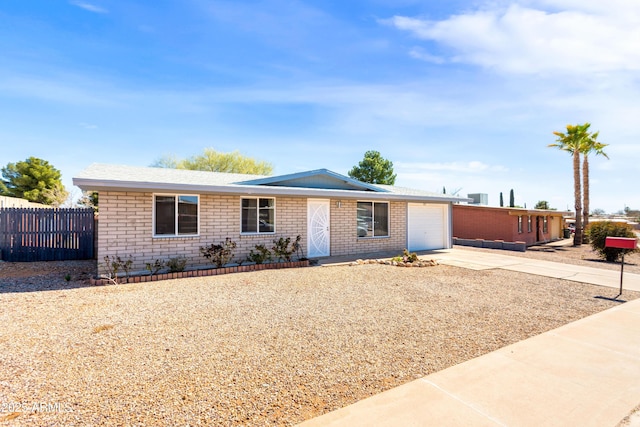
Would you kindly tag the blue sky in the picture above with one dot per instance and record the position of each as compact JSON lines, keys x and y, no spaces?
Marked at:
{"x":460,"y":94}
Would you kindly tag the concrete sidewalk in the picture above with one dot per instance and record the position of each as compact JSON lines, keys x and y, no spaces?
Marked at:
{"x":479,"y":260}
{"x":586,"y":373}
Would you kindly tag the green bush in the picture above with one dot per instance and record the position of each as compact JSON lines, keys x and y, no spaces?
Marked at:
{"x":221,"y":254}
{"x":177,"y":264}
{"x":600,"y":230}
{"x":282,"y":250}
{"x":406,"y":256}
{"x":261,"y":255}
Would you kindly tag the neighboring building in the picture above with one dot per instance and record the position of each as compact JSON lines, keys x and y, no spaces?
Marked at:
{"x":14,"y":202}
{"x":158,"y":213}
{"x":508,"y":224}
{"x":478,"y":198}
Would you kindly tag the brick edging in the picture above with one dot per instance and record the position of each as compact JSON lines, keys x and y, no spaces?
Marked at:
{"x":201,"y":273}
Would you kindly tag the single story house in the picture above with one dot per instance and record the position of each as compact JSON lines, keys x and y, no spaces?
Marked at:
{"x":158,"y":213}
{"x":531,"y":226}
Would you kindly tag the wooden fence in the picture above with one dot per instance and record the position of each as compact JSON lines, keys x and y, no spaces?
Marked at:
{"x":28,"y":234}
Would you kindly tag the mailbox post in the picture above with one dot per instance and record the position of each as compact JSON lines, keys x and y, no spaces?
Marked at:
{"x":621,"y":243}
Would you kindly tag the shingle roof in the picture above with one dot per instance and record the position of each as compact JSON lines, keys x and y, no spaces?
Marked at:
{"x":103,"y":177}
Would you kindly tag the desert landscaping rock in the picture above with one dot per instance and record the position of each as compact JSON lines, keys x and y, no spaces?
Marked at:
{"x":271,"y":347}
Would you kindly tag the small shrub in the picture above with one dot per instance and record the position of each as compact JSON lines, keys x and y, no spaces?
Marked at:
{"x":67,"y":277}
{"x":297,"y":247}
{"x":261,"y":255}
{"x":176,"y":264}
{"x":112,"y":266}
{"x":154,"y":267}
{"x":126,"y":266}
{"x":282,"y":250}
{"x":219,"y":254}
{"x":406,"y":257}
{"x":600,"y":230}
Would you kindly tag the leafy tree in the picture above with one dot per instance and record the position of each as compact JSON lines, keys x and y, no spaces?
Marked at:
{"x":374,"y":169}
{"x":600,"y":230}
{"x":35,"y":180}
{"x":598,"y":211}
{"x":89,"y":199}
{"x":214,"y":161}
{"x":512,"y":199}
{"x":501,"y":200}
{"x":571,"y":142}
{"x":542,"y":204}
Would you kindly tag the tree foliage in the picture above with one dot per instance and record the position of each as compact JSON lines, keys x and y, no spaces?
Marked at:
{"x":374,"y":169}
{"x":214,"y":161}
{"x":600,"y":230}
{"x":542,"y":204}
{"x":35,"y":180}
{"x":512,"y":199}
{"x":89,"y":199}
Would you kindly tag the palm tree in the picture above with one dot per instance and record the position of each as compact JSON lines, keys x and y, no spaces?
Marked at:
{"x":572,"y":142}
{"x":589,"y":145}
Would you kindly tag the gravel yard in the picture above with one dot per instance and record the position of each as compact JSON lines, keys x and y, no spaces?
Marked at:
{"x":273,"y":347}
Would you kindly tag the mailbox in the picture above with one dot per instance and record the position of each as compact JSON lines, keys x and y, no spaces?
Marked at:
{"x":620,"y":242}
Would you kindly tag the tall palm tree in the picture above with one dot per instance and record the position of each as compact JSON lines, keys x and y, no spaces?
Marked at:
{"x":571,"y":142}
{"x":589,"y":145}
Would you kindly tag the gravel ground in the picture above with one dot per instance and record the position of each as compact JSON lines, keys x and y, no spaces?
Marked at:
{"x":273,"y":347}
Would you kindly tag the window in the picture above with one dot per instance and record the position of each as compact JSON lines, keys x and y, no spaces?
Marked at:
{"x":529,"y":224}
{"x":258,"y":215}
{"x":545,"y":224}
{"x":519,"y":223}
{"x":175,"y":215}
{"x":373,"y":219}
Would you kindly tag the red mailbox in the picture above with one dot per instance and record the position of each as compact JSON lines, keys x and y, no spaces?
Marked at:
{"x":621,"y":242}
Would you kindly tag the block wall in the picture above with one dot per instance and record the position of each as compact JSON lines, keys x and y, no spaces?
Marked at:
{"x":344,"y":236}
{"x":475,"y":222}
{"x":125,"y":228}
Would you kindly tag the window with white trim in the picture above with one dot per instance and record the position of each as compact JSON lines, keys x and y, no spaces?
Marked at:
{"x":258,"y":215}
{"x":175,"y":215}
{"x":372,"y":219}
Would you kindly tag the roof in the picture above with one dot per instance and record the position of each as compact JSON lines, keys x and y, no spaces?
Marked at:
{"x":516,"y":211}
{"x":316,"y":183}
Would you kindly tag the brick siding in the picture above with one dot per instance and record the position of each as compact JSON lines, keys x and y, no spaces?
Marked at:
{"x":489,"y":223}
{"x":125,"y":228}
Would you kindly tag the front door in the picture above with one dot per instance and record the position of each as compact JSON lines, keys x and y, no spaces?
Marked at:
{"x":318,"y":228}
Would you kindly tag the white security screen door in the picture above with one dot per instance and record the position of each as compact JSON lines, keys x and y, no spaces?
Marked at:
{"x":318,"y":228}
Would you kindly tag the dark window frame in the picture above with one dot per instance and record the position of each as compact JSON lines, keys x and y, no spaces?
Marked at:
{"x":368,"y":224}
{"x":181,"y":214}
{"x":257,"y":213}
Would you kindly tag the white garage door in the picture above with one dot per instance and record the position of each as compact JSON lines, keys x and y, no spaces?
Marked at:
{"x":428,"y":227}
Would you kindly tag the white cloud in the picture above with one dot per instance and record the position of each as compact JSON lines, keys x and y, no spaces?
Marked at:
{"x":540,"y":36}
{"x":471,"y":167}
{"x":420,"y":53}
{"x":90,"y":7}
